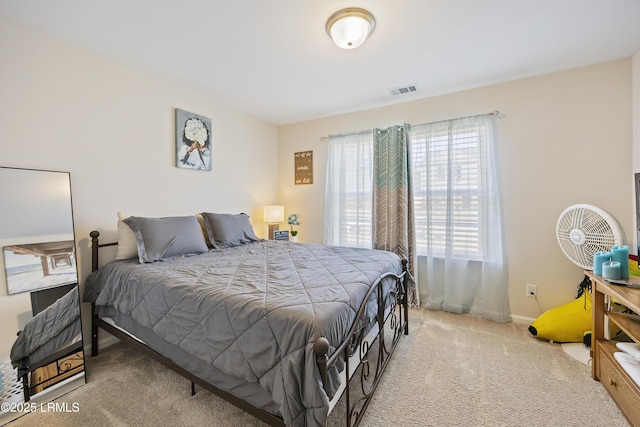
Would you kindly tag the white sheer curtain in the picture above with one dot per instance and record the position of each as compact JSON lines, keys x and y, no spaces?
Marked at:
{"x":349,"y":191}
{"x":458,"y":217}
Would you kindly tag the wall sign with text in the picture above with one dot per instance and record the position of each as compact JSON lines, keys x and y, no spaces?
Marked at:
{"x":281,"y":235}
{"x":303,"y":163}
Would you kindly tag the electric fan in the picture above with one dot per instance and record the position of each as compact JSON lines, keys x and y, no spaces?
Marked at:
{"x":582,"y":230}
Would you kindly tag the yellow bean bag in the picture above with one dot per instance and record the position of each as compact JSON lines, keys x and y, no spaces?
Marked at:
{"x":633,"y":266}
{"x":566,"y":323}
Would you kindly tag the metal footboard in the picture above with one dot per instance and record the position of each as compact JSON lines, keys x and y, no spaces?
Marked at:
{"x":392,"y":313}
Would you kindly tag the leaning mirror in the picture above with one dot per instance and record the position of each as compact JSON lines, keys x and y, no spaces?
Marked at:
{"x":41,"y":347}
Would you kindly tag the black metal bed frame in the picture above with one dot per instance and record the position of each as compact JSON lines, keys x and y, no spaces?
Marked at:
{"x":372,"y":363}
{"x":25,"y":369}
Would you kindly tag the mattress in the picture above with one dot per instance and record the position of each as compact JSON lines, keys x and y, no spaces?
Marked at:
{"x":251,"y":312}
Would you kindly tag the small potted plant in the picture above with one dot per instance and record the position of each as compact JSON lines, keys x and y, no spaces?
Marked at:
{"x":294,"y":219}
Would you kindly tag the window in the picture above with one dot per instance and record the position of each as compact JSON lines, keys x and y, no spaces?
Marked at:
{"x":349,"y":193}
{"x":448,"y":175}
{"x":456,"y":210}
{"x":451,"y":194}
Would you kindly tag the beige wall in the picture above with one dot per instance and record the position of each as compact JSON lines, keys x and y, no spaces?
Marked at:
{"x":63,"y":108}
{"x":564,"y":138}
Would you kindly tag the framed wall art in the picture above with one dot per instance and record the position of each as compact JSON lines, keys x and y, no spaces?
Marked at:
{"x":303,"y":167}
{"x":193,"y":141}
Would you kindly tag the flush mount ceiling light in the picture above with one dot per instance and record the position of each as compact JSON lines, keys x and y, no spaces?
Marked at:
{"x":350,"y":27}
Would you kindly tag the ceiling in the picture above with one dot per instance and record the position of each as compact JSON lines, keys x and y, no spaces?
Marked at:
{"x":274,"y":60}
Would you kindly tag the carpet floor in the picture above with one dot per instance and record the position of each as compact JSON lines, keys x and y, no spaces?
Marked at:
{"x":451,"y":370}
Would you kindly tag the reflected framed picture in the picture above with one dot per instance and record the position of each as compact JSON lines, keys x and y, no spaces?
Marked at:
{"x":33,"y":266}
{"x":193,"y":141}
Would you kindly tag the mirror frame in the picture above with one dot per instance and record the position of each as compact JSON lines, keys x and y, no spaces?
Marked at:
{"x":65,"y":355}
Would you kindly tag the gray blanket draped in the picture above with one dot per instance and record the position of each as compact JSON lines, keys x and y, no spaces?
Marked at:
{"x":49,"y":330}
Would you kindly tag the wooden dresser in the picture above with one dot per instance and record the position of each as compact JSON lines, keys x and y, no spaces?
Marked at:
{"x":605,"y":368}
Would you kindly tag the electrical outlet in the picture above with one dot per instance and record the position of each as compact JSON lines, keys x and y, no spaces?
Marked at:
{"x":532,"y":291}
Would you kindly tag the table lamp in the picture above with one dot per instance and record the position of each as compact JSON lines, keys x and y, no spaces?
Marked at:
{"x":273,"y":215}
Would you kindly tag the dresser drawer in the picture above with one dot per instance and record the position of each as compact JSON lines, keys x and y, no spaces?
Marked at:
{"x":621,"y":388}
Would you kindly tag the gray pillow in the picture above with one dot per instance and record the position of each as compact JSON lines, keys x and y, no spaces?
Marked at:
{"x":227,"y":230}
{"x":162,"y":238}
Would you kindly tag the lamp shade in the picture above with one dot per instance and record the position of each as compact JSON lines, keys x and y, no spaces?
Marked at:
{"x":273,"y":214}
{"x":350,"y":27}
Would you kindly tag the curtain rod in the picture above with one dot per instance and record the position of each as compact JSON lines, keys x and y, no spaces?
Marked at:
{"x":493,"y":113}
{"x":357,"y":132}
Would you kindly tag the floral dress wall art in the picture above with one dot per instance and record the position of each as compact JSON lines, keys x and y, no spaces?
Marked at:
{"x":193,"y":141}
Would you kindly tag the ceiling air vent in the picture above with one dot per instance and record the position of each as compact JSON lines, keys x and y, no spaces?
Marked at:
{"x":403,"y":90}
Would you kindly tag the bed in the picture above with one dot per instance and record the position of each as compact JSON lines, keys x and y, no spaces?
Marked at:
{"x":277,"y":328}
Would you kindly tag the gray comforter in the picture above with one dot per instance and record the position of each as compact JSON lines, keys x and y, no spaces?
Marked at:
{"x":252,"y":311}
{"x":48,"y":331}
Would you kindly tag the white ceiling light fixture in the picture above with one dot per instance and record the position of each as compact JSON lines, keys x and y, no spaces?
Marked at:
{"x":350,"y":27}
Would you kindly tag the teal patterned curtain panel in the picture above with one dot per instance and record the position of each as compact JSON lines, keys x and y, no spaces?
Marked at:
{"x":393,"y":221}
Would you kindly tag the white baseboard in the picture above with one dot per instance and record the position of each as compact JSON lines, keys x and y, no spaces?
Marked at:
{"x":103,"y":343}
{"x":522,"y":320}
